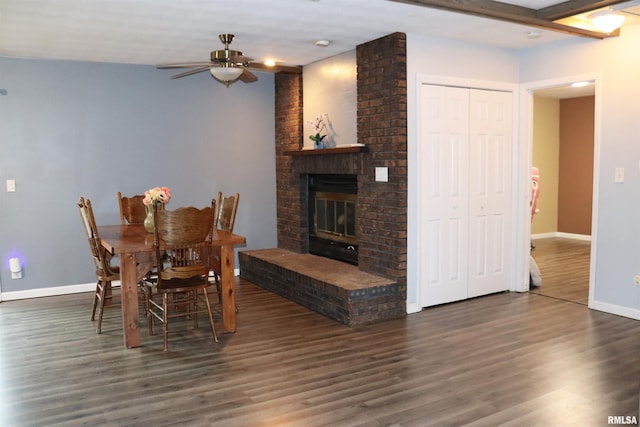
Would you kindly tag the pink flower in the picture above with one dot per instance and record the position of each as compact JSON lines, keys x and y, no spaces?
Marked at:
{"x":157,"y":195}
{"x":318,"y":125}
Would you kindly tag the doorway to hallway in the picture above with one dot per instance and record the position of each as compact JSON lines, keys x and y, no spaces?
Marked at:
{"x":564,"y":267}
{"x":563,"y":243}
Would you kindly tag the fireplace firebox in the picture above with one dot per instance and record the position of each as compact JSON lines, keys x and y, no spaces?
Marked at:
{"x":333,"y":217}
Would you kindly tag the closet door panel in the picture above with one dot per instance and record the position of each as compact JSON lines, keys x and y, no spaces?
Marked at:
{"x":490,"y":195}
{"x":443,"y":160}
{"x":465,"y":192}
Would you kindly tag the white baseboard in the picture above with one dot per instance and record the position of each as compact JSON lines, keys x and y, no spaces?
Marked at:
{"x":48,"y":292}
{"x":575,"y":236}
{"x":413,"y":308}
{"x":543,"y":235}
{"x":562,"y":235}
{"x":58,"y":290}
{"x":616,"y":309}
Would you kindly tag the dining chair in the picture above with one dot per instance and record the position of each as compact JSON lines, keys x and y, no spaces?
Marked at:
{"x":182,"y":248}
{"x":226,"y":208}
{"x":106,"y":274}
{"x":132,"y":210}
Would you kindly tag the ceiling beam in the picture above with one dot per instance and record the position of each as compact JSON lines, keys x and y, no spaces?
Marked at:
{"x":573,"y":7}
{"x":508,"y":13}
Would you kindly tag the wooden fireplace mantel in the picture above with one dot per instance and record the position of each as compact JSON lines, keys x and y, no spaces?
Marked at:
{"x":346,"y":160}
{"x":327,"y":151}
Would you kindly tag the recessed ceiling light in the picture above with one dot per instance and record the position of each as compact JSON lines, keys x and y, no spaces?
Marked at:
{"x":269,"y":62}
{"x":534,"y":34}
{"x":323,"y":43}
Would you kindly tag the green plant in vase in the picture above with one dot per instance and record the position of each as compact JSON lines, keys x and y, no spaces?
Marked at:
{"x":318,"y":126}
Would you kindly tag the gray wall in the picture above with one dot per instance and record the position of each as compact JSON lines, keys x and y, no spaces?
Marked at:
{"x":440,"y":60}
{"x":71,"y":129}
{"x":617,"y":135}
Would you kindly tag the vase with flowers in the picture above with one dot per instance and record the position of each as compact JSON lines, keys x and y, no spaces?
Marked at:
{"x":318,"y":126}
{"x":155,"y":196}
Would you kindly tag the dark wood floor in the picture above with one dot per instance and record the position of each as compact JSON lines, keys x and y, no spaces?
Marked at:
{"x":564,"y":265}
{"x":514,"y":359}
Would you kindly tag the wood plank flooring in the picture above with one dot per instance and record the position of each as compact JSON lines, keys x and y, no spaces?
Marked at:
{"x":564,"y":265}
{"x":513,"y":359}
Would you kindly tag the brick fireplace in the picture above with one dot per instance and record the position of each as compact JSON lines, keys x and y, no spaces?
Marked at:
{"x":382,"y":128}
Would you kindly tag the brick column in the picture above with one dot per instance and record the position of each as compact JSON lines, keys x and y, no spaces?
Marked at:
{"x":382,"y":127}
{"x":291,"y":196}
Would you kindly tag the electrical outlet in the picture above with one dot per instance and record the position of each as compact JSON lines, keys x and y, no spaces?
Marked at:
{"x":636,"y":280}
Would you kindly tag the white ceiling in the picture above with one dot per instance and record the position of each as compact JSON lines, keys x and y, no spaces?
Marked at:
{"x":562,"y":92}
{"x":162,"y":31}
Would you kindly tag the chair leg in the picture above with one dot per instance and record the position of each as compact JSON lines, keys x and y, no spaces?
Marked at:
{"x":165,"y":324}
{"x":213,"y":327}
{"x":108,"y":294}
{"x":193,"y":298}
{"x":218,"y":286}
{"x":149,"y":315}
{"x":142,"y":297}
{"x":103,"y":289}
{"x":95,"y":301}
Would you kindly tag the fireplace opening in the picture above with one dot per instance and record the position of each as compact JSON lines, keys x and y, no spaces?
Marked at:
{"x":333,"y":217}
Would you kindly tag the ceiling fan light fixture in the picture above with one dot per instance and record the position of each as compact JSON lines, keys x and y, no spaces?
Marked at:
{"x":606,"y":21}
{"x":226,"y":75}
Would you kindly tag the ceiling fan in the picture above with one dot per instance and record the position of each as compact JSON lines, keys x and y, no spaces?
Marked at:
{"x":228,"y":66}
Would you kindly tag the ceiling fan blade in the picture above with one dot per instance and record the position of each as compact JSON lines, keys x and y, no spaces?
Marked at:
{"x":247,"y":76}
{"x":240,"y":60}
{"x":190,"y":72}
{"x":295,"y":69}
{"x":183,"y":65}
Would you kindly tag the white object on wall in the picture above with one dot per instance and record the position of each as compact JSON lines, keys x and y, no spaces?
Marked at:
{"x":16,"y":268}
{"x":382,"y":174}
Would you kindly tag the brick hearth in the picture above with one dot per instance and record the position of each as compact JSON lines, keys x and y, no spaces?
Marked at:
{"x":338,"y":290}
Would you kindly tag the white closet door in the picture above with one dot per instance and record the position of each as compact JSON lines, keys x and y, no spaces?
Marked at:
{"x":489,"y":191}
{"x":465,"y":192}
{"x":444,"y":197}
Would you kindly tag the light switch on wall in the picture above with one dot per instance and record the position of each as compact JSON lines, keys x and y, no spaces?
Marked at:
{"x":382,"y":174}
{"x":11,"y":186}
{"x":619,"y":175}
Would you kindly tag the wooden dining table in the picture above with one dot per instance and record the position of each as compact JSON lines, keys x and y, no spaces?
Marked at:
{"x":134,"y":246}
